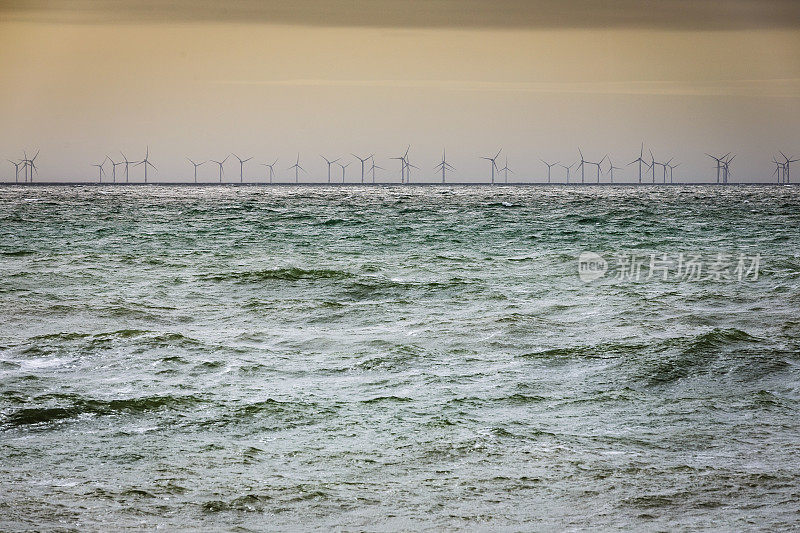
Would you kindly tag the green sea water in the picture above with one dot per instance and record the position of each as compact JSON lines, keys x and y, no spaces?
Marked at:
{"x":398,"y":358}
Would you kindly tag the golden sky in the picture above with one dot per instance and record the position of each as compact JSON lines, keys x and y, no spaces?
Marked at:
{"x":83,"y":79}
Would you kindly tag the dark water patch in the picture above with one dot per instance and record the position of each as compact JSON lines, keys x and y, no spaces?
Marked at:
{"x":17,"y":253}
{"x":174,"y":359}
{"x":277,"y":274}
{"x":387,"y":399}
{"x":69,"y":406}
{"x":395,"y":356}
{"x":523,"y":399}
{"x":694,"y":356}
{"x":599,"y":351}
{"x":138,"y":493}
{"x":291,"y":413}
{"x":247,"y":503}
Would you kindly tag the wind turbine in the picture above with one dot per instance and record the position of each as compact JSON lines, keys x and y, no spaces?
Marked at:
{"x":403,"y":162}
{"x":444,"y":166}
{"x":113,"y":168}
{"x":549,"y":166}
{"x":786,"y":165}
{"x":25,"y":162}
{"x":195,"y":167}
{"x":639,"y":160}
{"x":16,"y":169}
{"x":364,"y":160}
{"x":409,"y":166}
{"x":719,"y":163}
{"x":373,"y":169}
{"x":611,"y":167}
{"x":493,"y":161}
{"x":32,"y":163}
{"x":671,"y":168}
{"x":343,"y":168}
{"x":506,"y":170}
{"x":653,"y":164}
{"x":780,"y":169}
{"x":582,"y":164}
{"x":241,"y":166}
{"x":726,"y":169}
{"x":329,"y":165}
{"x":567,"y":168}
{"x":272,"y":170}
{"x":220,"y":163}
{"x":145,"y":162}
{"x":598,"y":168}
{"x":665,"y":168}
{"x":100,"y":168}
{"x":297,"y":168}
{"x":29,"y":164}
{"x":127,"y":163}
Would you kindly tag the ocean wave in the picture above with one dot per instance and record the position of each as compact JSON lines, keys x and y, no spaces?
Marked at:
{"x":71,"y":406}
{"x":277,"y":274}
{"x":680,"y":358}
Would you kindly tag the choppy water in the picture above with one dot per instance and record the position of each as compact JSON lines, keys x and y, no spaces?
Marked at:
{"x":394,"y":358}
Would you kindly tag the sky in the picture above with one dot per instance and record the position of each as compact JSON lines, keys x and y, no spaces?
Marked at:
{"x":82,"y":79}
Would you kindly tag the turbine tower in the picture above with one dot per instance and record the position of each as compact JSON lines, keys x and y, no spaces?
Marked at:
{"x":343,"y":169}
{"x":641,"y":161}
{"x":363,"y":161}
{"x":444,"y":166}
{"x":506,"y":170}
{"x":30,"y":164}
{"x":598,"y":168}
{"x":493,"y":161}
{"x":611,"y":167}
{"x":16,"y":169}
{"x":127,"y":164}
{"x":719,"y":163}
{"x":549,"y":166}
{"x":241,"y":166}
{"x":330,"y":162}
{"x":100,"y":168}
{"x":786,"y":165}
{"x":220,"y":163}
{"x":672,"y":168}
{"x":297,"y":168}
{"x":402,"y":160}
{"x":653,"y":164}
{"x":582,"y":165}
{"x":779,"y":170}
{"x":409,"y":166}
{"x":567,"y":169}
{"x":373,"y":169}
{"x":195,"y":167}
{"x":727,"y":169}
{"x":271,"y":169}
{"x":113,"y":168}
{"x":25,"y":162}
{"x":146,"y":162}
{"x":666,"y":165}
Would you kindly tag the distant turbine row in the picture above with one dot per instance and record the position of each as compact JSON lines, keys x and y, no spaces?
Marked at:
{"x":27,"y":165}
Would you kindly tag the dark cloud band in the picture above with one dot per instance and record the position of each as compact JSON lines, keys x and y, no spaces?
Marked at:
{"x":513,"y":14}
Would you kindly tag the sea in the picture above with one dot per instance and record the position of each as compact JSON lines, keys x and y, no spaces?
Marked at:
{"x":399,"y":358}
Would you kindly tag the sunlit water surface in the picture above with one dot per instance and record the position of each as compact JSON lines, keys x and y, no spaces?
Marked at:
{"x":394,"y":358}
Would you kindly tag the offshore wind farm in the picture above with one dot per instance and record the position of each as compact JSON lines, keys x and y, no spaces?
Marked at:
{"x":661,"y":172}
